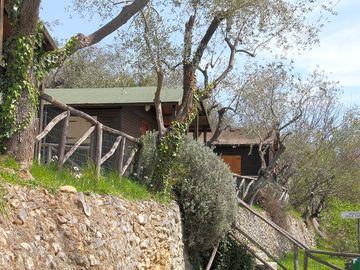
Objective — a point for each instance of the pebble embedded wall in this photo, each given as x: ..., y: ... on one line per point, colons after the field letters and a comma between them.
x: 76, y: 231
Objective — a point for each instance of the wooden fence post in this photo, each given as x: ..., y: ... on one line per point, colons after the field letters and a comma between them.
x: 296, y: 257
x: 41, y: 119
x: 98, y: 148
x: 49, y: 154
x: 63, y: 140
x: 120, y: 161
x: 306, y: 259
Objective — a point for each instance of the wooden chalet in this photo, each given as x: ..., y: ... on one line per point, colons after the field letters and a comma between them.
x: 239, y: 149
x: 129, y: 110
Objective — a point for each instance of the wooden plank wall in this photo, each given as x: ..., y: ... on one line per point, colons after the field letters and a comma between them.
x: 250, y: 164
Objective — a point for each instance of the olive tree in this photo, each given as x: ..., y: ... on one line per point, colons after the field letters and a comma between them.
x: 204, y: 38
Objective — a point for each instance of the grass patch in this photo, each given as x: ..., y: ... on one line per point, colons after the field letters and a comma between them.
x: 48, y: 177
x: 288, y: 261
x: 3, y: 203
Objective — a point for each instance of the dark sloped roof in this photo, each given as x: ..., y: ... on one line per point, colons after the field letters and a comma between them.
x: 126, y: 95
x: 238, y: 136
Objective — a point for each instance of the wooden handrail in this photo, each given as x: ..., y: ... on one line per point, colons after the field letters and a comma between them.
x: 331, y: 253
x: 245, y: 177
x: 67, y: 146
x: 252, y: 240
x: 252, y: 252
x: 274, y: 226
x: 323, y: 262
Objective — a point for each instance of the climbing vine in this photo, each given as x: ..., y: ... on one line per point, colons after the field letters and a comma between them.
x: 26, y: 65
x: 169, y: 148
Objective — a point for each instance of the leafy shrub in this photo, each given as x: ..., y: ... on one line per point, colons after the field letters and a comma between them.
x: 232, y: 256
x: 341, y: 232
x: 206, y: 195
x: 149, y: 157
x: 205, y: 191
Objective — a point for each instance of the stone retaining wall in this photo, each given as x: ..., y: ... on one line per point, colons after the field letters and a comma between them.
x: 75, y: 231
x: 270, y: 239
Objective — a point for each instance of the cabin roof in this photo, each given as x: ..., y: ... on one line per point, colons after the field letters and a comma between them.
x: 121, y: 95
x: 237, y: 136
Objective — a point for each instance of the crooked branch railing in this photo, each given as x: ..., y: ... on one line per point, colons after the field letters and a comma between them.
x: 96, y: 144
x: 243, y: 184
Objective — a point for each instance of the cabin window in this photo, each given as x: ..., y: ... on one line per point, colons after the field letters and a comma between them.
x: 77, y: 128
x: 234, y: 163
x: 145, y: 127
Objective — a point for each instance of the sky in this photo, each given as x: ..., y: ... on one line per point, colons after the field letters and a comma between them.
x: 338, y: 54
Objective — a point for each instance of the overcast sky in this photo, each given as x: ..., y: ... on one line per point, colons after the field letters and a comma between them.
x: 338, y: 53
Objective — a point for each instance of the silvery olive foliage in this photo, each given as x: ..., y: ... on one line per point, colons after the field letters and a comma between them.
x: 206, y: 195
x: 204, y: 188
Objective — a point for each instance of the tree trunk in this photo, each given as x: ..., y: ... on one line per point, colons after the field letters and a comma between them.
x: 21, y: 144
x: 265, y: 173
x: 189, y: 88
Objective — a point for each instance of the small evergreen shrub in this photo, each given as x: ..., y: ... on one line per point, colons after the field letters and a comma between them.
x: 206, y: 196
x: 232, y: 256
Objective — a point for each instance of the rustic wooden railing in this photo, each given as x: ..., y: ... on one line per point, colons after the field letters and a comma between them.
x: 297, y: 245
x: 96, y: 145
x: 243, y: 184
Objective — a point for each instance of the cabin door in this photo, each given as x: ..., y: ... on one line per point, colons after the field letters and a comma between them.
x: 234, y: 163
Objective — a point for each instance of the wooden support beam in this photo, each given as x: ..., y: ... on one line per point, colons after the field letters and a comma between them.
x: 41, y: 120
x: 120, y: 162
x: 52, y: 123
x: 128, y: 162
x: 98, y: 149
x: 112, y: 150
x: 248, y: 188
x: 78, y: 143
x: 49, y: 154
x: 306, y: 260
x: 63, y: 140
x: 296, y: 257
x: 212, y: 257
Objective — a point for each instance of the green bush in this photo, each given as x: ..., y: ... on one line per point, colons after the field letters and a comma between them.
x: 206, y: 195
x: 205, y: 191
x: 341, y: 233
x: 232, y: 256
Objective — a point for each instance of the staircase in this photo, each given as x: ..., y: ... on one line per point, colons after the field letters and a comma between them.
x: 264, y: 258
